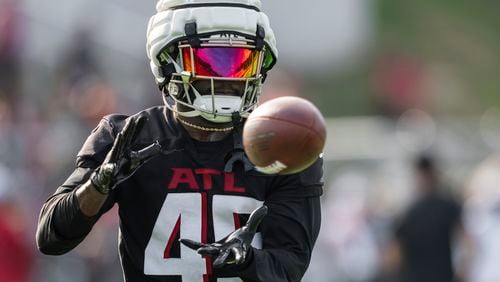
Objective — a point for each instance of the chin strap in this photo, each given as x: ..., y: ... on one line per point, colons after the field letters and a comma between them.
x: 237, y: 156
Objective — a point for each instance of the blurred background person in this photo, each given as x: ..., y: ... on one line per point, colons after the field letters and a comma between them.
x: 425, y: 234
x: 10, y: 52
x: 482, y: 214
x: 16, y: 255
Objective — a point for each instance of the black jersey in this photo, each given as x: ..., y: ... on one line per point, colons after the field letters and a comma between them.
x: 184, y: 192
x: 425, y: 234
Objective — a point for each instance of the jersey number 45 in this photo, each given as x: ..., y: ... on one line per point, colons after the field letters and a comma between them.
x: 185, y: 215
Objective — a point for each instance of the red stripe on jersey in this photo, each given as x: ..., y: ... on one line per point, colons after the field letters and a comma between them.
x: 237, y: 222
x: 204, y: 217
x: 173, y: 236
x: 204, y: 234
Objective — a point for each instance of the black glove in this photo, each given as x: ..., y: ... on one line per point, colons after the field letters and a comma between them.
x: 121, y: 162
x: 233, y: 249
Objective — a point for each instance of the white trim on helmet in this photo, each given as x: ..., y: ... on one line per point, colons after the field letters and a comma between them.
x: 163, y: 5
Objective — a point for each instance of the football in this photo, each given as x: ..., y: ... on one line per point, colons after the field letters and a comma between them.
x: 284, y: 135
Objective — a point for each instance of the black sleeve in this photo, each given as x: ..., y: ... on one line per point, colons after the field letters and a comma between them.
x: 62, y: 225
x: 290, y: 229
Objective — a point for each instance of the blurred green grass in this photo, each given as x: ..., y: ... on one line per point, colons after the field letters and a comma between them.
x: 461, y: 38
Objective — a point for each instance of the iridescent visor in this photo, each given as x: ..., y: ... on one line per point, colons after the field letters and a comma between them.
x: 229, y: 62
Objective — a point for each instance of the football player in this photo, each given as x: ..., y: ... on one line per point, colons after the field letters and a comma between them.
x: 191, y: 205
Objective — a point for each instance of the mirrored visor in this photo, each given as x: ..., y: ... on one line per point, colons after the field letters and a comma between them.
x: 228, y: 62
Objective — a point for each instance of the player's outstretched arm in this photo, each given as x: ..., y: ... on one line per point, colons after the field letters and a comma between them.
x: 68, y: 216
x: 289, y: 233
x: 289, y: 225
x: 289, y: 230
x: 120, y: 163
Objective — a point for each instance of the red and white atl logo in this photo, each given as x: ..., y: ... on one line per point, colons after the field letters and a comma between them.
x: 187, y: 176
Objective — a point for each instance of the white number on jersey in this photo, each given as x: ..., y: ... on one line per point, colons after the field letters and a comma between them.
x: 186, y: 214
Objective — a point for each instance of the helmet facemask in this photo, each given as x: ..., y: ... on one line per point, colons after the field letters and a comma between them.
x: 217, y: 60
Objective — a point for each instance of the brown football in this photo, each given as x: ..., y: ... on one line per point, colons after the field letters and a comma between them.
x: 284, y: 135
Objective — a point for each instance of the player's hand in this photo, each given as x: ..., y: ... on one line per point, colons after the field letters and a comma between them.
x: 234, y: 249
x: 121, y: 162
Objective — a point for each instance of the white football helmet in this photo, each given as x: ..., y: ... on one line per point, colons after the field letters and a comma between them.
x: 225, y: 40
